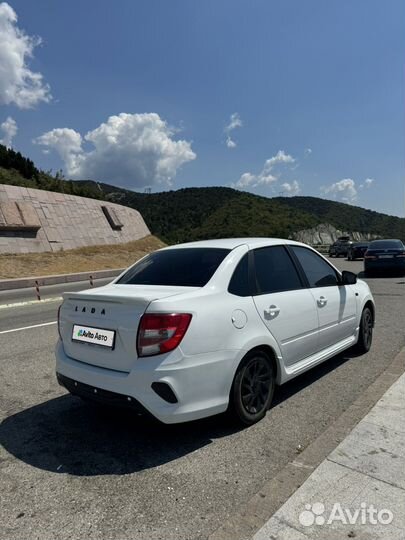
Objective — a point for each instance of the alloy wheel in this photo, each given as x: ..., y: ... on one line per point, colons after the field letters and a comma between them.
x: 256, y: 385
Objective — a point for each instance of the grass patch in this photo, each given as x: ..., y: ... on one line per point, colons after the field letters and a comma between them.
x: 85, y: 259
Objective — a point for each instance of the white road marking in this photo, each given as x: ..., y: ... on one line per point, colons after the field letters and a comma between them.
x: 28, y: 327
x: 31, y: 302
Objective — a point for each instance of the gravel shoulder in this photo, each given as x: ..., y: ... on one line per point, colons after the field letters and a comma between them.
x: 85, y: 259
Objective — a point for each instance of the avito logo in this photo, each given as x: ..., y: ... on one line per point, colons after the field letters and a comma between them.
x: 85, y: 333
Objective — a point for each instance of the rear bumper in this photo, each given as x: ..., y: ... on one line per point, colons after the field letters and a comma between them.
x: 99, y: 395
x: 385, y: 264
x: 200, y: 383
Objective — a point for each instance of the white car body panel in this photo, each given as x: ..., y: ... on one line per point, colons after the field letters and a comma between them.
x: 223, y: 328
x: 337, y: 311
x: 292, y: 319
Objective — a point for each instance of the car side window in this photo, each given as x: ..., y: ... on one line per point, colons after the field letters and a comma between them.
x: 239, y: 284
x: 275, y: 271
x: 319, y: 273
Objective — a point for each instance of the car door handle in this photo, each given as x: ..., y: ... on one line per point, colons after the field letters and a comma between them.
x: 271, y: 312
x: 322, y: 301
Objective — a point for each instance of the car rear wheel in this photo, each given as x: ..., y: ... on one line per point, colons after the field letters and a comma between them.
x: 366, y: 331
x: 253, y: 388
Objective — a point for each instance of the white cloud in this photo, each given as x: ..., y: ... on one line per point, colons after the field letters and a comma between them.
x: 67, y: 143
x: 18, y: 84
x: 230, y: 143
x: 367, y: 183
x: 345, y: 190
x: 133, y: 150
x: 234, y: 123
x: 280, y: 157
x: 265, y: 176
x: 9, y: 129
x: 292, y: 188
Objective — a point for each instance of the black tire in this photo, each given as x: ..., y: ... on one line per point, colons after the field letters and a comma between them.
x: 252, y: 389
x: 363, y: 344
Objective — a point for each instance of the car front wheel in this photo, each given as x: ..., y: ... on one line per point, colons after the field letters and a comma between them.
x: 253, y: 388
x: 366, y: 331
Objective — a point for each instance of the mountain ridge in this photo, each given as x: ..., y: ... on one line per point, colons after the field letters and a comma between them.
x: 200, y: 212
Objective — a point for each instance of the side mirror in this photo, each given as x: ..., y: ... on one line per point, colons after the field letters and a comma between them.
x: 349, y: 278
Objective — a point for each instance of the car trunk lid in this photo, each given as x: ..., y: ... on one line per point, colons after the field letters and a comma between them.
x: 114, y: 308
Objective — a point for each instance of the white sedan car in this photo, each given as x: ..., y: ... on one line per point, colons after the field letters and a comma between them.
x: 196, y: 329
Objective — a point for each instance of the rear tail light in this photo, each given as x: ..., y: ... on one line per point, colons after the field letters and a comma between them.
x: 161, y: 332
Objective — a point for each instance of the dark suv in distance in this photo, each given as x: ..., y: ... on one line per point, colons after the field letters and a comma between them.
x: 385, y: 255
x: 356, y: 250
x: 340, y: 247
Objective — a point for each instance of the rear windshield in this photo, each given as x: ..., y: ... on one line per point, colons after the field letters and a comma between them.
x: 386, y: 244
x: 186, y: 267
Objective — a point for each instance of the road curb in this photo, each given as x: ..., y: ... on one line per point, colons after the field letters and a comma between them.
x: 265, y: 503
x: 26, y: 282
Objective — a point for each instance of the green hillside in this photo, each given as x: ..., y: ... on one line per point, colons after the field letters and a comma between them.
x: 210, y: 212
x: 214, y: 212
x: 346, y: 216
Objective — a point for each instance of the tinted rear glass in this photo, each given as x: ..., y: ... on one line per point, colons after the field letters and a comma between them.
x: 188, y: 267
x: 386, y: 244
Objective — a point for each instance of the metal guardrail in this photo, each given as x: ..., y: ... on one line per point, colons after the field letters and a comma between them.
x: 36, y: 282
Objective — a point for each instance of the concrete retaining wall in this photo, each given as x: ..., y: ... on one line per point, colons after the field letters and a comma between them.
x: 32, y: 220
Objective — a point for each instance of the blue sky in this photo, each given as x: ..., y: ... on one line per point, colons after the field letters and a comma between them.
x: 322, y: 82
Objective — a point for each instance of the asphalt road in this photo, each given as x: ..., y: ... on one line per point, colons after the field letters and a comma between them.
x: 70, y: 471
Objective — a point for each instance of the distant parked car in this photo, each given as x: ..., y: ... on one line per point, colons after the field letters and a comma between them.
x: 385, y: 255
x: 357, y: 250
x: 195, y: 329
x: 340, y: 247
